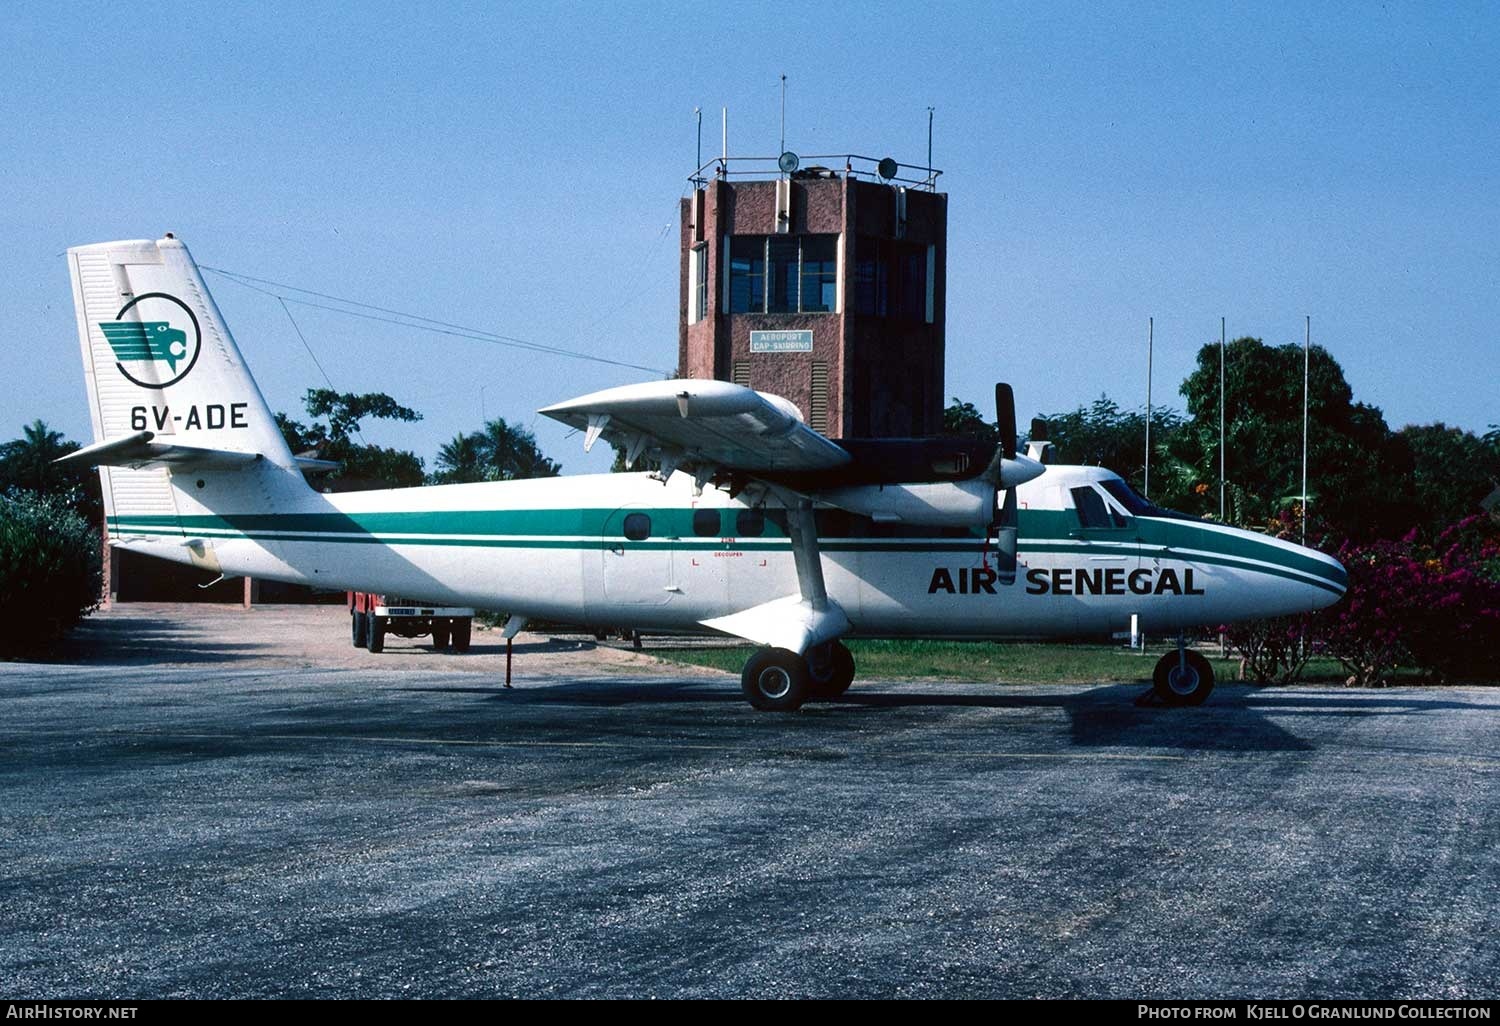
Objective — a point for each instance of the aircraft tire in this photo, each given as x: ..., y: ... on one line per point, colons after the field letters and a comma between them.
x: 376, y: 634
x: 439, y: 637
x: 1174, y: 687
x: 462, y: 631
x: 775, y: 680
x: 833, y: 677
x: 358, y: 623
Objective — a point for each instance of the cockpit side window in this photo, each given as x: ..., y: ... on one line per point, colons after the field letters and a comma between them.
x: 1092, y: 512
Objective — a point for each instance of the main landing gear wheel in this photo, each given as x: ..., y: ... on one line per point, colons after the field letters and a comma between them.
x: 775, y: 680
x: 439, y: 638
x: 1183, y: 678
x: 830, y: 670
x: 358, y: 622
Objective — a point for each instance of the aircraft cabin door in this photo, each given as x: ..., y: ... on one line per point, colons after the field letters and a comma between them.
x: 636, y: 559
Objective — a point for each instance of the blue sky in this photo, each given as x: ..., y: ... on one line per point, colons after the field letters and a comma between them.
x: 517, y: 168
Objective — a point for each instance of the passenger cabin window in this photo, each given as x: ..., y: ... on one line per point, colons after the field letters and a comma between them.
x: 706, y: 523
x: 749, y: 523
x: 1092, y: 510
x: 637, y: 526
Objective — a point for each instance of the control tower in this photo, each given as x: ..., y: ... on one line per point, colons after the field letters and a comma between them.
x: 821, y: 279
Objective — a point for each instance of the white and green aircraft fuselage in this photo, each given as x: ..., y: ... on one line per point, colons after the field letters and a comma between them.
x: 753, y: 525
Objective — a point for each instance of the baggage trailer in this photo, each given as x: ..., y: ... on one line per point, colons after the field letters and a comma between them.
x: 373, y: 616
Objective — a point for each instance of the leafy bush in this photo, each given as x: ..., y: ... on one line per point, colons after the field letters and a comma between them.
x: 50, y: 569
x: 1273, y: 651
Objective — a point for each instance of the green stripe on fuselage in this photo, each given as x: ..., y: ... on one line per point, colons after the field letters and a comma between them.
x: 1049, y: 531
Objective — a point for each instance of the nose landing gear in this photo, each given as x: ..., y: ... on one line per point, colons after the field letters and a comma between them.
x: 1183, y: 677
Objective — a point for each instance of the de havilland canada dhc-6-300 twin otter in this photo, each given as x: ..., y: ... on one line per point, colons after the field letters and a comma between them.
x: 753, y: 524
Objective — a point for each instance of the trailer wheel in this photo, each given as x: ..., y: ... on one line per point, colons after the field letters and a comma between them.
x: 440, y: 636
x: 377, y: 633
x: 359, y: 628
x: 462, y: 626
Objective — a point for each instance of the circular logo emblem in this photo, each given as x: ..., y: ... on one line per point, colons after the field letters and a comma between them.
x: 161, y: 338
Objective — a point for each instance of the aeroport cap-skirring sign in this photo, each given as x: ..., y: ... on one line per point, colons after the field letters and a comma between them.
x: 781, y: 341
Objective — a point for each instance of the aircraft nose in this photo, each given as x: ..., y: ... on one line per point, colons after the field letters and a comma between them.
x: 1333, y: 579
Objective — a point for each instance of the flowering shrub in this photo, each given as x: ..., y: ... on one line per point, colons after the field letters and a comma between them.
x: 1434, y: 606
x: 1458, y: 636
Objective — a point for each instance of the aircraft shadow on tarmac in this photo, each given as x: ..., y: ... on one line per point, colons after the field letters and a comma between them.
x: 1109, y: 715
x: 136, y: 641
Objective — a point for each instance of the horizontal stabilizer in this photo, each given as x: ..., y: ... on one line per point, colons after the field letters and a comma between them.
x: 139, y: 452
x: 789, y: 623
x: 312, y: 465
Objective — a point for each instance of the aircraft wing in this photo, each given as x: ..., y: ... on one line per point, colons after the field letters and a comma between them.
x: 698, y: 423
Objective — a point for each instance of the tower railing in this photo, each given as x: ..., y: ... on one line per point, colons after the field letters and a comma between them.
x: 811, y: 166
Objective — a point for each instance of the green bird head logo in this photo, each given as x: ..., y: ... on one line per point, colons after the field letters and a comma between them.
x: 161, y: 329
x: 150, y: 340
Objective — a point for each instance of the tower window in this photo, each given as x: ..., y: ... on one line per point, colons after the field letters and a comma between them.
x: 698, y: 258
x: 891, y: 279
x: 783, y: 273
x: 819, y: 273
x: 747, y: 273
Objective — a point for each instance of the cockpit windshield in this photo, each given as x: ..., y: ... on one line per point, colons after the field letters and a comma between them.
x: 1138, y: 506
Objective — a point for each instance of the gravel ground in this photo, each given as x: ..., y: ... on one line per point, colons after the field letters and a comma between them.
x: 200, y: 801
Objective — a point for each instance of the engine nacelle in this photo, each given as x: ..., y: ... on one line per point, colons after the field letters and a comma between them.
x: 969, y: 504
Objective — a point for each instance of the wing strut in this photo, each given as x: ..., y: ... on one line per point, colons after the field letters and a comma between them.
x: 807, y: 554
x: 795, y: 622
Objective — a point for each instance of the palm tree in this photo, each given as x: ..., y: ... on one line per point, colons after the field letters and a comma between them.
x: 462, y: 460
x: 511, y: 452
x: 498, y: 452
x: 28, y: 460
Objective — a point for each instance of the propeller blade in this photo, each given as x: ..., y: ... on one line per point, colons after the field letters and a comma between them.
x: 1005, y: 417
x: 1038, y: 429
x: 1005, y: 539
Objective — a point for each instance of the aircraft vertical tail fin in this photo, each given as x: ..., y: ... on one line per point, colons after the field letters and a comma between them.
x: 168, y: 390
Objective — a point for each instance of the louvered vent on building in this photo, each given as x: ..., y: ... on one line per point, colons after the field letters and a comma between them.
x: 818, y: 411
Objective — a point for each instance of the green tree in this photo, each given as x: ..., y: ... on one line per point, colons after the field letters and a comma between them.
x: 461, y: 460
x: 963, y: 420
x: 362, y: 465
x: 1101, y: 434
x: 345, y: 410
x: 1359, y: 473
x: 29, y: 463
x: 1452, y: 470
x: 500, y: 451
